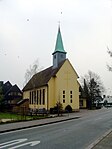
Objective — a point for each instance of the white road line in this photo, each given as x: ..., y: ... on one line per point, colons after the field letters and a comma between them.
x: 13, y: 142
x: 33, y: 143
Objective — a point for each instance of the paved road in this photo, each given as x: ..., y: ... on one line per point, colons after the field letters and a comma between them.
x: 73, y: 134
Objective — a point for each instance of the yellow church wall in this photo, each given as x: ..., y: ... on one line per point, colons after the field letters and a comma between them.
x: 65, y: 80
x: 67, y: 77
x: 51, y: 93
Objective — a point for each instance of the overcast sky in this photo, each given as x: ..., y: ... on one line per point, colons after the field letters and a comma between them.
x: 28, y: 30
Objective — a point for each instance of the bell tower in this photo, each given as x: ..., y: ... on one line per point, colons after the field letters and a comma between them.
x: 59, y: 54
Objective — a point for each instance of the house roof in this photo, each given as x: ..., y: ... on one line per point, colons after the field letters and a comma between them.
x: 6, y: 87
x: 14, y: 88
x: 41, y: 78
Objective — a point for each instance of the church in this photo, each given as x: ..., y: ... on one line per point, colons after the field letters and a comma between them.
x: 57, y: 83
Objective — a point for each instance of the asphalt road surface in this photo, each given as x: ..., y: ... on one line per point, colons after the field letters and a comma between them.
x: 72, y: 134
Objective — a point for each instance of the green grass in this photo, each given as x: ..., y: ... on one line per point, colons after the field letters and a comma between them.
x: 16, y: 117
x: 11, y: 116
x: 7, y: 116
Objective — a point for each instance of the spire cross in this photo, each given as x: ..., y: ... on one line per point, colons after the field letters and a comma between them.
x: 59, y: 22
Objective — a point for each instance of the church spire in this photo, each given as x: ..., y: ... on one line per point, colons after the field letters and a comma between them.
x: 59, y: 53
x: 59, y: 43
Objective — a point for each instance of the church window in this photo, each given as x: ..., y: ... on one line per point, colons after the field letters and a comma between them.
x: 63, y: 96
x: 34, y: 97
x: 37, y: 97
x: 63, y: 91
x: 40, y: 97
x: 63, y: 100
x: 71, y: 100
x: 30, y: 97
x: 55, y: 56
x: 43, y: 96
x: 70, y: 94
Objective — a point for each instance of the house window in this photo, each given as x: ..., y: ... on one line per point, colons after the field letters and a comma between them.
x: 19, y: 94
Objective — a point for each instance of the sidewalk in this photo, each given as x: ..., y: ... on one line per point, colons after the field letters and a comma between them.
x: 105, y: 142
x: 28, y: 124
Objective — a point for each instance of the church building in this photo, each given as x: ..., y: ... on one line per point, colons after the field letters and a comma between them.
x: 54, y: 84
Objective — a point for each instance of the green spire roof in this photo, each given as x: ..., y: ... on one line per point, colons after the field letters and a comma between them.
x: 59, y: 43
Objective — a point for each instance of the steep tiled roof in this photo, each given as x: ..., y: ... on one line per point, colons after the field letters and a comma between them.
x: 6, y: 87
x: 41, y: 78
x: 14, y: 88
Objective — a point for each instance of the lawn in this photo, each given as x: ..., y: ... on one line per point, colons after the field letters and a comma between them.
x: 10, y: 116
x: 18, y: 117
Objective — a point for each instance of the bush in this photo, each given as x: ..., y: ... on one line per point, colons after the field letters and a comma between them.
x: 68, y: 108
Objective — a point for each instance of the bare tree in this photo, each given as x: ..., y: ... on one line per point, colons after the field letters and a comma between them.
x: 32, y: 70
x: 110, y: 53
x: 92, y: 87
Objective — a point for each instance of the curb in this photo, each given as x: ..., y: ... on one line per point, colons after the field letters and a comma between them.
x: 99, y: 139
x: 42, y: 124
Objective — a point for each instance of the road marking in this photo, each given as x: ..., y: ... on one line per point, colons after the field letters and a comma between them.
x: 33, y: 143
x: 10, y: 143
x: 14, y: 142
